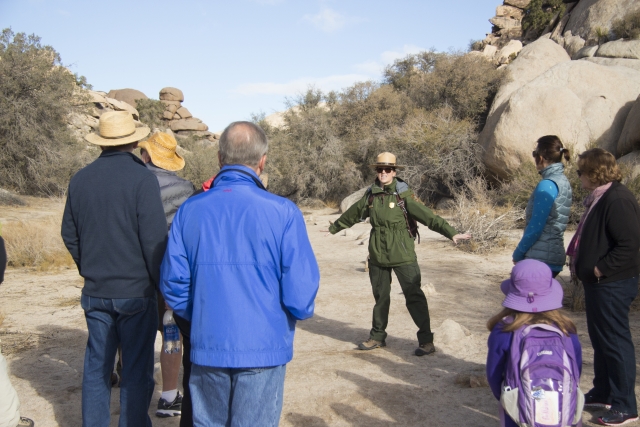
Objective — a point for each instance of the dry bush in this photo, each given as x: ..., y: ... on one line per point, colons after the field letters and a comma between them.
x: 628, y: 27
x: 438, y: 149
x: 36, y: 244
x: 574, y: 295
x: 201, y: 160
x: 475, y: 212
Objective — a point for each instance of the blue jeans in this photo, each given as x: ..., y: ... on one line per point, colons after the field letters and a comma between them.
x: 131, y: 322
x: 224, y: 397
x: 614, y: 357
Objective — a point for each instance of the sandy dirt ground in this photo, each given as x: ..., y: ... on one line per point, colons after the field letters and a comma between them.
x: 329, y: 382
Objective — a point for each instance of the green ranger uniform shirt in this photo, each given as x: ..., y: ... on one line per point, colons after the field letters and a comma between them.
x: 390, y: 244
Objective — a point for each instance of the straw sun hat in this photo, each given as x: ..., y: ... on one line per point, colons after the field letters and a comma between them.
x: 386, y: 159
x: 162, y: 150
x: 117, y: 128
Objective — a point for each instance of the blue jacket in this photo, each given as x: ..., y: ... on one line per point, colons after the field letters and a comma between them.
x: 239, y: 265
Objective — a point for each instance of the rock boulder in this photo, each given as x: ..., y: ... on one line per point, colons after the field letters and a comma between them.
x: 620, y: 49
x: 518, y: 3
x: 591, y: 14
x: 351, y: 199
x: 630, y: 137
x: 171, y: 94
x: 634, y: 64
x: 579, y: 101
x: 188, y: 124
x: 130, y: 96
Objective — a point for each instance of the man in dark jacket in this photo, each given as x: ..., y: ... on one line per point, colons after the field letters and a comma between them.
x: 114, y: 227
x: 160, y: 156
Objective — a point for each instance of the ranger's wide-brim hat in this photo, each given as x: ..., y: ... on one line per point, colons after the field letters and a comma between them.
x: 162, y: 150
x: 117, y: 128
x: 386, y: 159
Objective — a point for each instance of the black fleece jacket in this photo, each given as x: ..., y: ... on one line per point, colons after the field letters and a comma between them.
x: 114, y: 226
x: 610, y: 238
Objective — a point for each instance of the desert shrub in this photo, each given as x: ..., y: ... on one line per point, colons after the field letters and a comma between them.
x: 201, y: 160
x: 307, y: 160
x: 465, y: 83
x: 539, y: 13
x: 518, y: 188
x: 475, y: 212
x: 627, y: 27
x: 151, y: 111
x: 438, y: 149
x: 38, y: 152
x: 367, y: 107
x: 601, y: 35
x: 36, y: 244
x: 475, y: 45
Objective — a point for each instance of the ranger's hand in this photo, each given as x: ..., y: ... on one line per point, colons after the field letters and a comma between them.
x: 458, y: 237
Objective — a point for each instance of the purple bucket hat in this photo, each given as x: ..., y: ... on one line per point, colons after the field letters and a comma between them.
x: 531, y: 288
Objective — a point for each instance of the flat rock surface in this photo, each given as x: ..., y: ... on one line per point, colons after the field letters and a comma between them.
x: 329, y: 382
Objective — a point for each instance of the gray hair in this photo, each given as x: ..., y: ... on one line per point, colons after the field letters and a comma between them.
x: 243, y: 143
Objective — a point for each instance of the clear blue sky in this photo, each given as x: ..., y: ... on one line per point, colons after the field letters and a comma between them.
x: 235, y: 58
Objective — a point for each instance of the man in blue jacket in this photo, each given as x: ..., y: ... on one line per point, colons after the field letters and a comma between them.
x: 239, y: 265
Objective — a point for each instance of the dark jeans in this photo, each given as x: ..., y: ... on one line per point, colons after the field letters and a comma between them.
x: 409, y: 278
x: 186, y: 418
x: 131, y: 322
x: 614, y: 356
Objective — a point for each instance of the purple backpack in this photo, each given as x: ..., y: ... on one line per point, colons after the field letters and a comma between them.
x: 541, y: 383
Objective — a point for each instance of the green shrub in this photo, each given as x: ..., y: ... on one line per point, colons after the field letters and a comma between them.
x: 38, y: 152
x: 628, y: 27
x: 475, y: 45
x: 539, y: 13
x: 200, y: 158
x: 151, y: 111
x: 465, y: 83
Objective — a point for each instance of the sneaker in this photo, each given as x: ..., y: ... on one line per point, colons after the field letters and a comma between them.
x: 170, y: 409
x: 593, y: 401
x: 25, y: 422
x: 424, y: 349
x: 617, y: 418
x: 371, y: 344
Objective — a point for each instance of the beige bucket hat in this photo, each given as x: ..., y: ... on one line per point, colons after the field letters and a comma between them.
x: 162, y: 150
x: 386, y: 159
x: 117, y: 128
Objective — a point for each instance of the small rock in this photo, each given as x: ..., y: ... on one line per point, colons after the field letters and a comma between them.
x: 348, y: 232
x: 364, y: 241
x: 429, y: 289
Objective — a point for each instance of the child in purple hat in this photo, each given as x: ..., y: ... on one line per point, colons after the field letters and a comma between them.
x: 532, y: 297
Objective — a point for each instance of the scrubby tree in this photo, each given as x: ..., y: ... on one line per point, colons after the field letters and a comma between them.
x: 38, y: 152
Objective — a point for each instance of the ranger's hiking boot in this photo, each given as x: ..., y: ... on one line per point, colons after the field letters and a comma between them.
x: 617, y: 418
x: 371, y: 344
x: 25, y: 422
x: 424, y: 349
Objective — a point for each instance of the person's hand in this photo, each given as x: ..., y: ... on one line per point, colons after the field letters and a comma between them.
x: 326, y: 232
x: 458, y: 237
x: 597, y: 272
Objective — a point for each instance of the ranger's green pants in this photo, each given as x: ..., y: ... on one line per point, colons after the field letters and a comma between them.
x: 409, y: 278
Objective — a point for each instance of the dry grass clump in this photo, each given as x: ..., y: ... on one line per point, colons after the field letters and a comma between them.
x: 476, y: 212
x: 36, y: 244
x: 7, y: 198
x: 628, y: 27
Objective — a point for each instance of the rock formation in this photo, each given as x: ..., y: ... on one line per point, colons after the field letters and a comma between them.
x: 567, y: 82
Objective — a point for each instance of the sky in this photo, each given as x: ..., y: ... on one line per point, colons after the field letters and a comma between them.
x: 237, y: 58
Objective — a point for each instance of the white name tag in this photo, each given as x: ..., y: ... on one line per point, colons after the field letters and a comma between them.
x: 392, y: 205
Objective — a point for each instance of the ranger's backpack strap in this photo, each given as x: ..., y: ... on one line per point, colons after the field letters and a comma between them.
x: 412, y: 226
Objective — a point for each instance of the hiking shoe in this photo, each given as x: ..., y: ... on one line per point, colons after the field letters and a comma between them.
x: 25, y: 422
x: 371, y: 344
x: 617, y: 418
x: 593, y: 401
x: 424, y: 349
x: 170, y: 409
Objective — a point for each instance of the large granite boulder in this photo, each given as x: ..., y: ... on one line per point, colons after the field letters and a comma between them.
x: 620, y: 49
x: 579, y: 101
x: 351, y: 199
x: 630, y: 137
x: 130, y: 96
x: 123, y: 106
x: 171, y: 94
x: 590, y: 14
x: 188, y: 124
x: 634, y: 64
x: 533, y: 60
x: 518, y: 3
